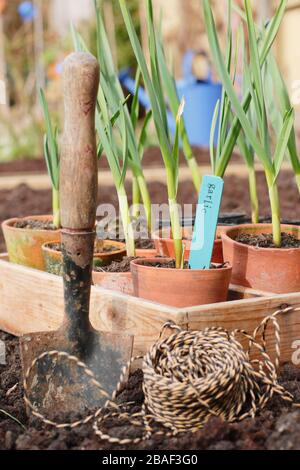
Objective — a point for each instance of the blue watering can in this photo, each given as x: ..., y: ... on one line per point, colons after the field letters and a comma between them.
x: 27, y: 11
x: 201, y: 97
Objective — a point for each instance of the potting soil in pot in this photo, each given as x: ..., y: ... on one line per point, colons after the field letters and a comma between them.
x: 172, y: 265
x: 32, y: 224
x: 265, y: 240
x: 142, y: 244
x: 122, y: 266
x: 104, y: 249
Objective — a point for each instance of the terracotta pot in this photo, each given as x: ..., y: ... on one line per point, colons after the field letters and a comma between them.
x: 24, y: 246
x: 165, y: 246
x: 120, y: 282
x: 179, y: 287
x: 53, y: 257
x: 267, y: 269
x: 141, y: 253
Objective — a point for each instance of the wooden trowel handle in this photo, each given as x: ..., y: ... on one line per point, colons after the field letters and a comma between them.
x: 78, y: 193
x: 78, y: 157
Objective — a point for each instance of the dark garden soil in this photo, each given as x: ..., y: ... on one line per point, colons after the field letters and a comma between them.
x: 265, y: 240
x: 32, y: 224
x: 278, y: 427
x: 152, y: 158
x: 23, y: 201
x: 122, y: 266
x: 141, y: 244
x: 104, y: 249
x: 36, y: 165
x: 172, y: 265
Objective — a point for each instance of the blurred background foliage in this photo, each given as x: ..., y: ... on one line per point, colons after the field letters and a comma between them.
x: 21, y: 120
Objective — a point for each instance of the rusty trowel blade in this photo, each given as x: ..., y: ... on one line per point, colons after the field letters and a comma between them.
x: 57, y: 386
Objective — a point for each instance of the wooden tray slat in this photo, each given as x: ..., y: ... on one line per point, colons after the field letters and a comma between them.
x: 32, y: 301
x: 248, y: 314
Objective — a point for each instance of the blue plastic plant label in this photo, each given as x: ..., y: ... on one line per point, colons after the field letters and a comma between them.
x: 206, y: 222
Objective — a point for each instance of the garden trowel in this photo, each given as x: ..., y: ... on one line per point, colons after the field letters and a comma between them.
x: 57, y: 385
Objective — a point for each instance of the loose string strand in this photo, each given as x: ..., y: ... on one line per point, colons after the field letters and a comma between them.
x: 189, y: 377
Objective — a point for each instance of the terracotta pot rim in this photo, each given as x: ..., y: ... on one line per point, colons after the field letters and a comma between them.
x: 46, y: 248
x: 9, y: 222
x: 138, y: 263
x: 145, y: 250
x: 226, y: 237
x: 104, y: 273
x: 156, y: 234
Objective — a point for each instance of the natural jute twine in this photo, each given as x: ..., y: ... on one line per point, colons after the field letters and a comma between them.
x: 190, y: 377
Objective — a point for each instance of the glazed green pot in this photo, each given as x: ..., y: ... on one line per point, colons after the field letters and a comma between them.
x: 53, y: 257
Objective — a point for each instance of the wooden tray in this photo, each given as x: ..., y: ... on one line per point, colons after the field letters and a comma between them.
x: 32, y: 301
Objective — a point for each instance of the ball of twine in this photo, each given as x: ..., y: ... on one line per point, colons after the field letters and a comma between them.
x: 191, y: 376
